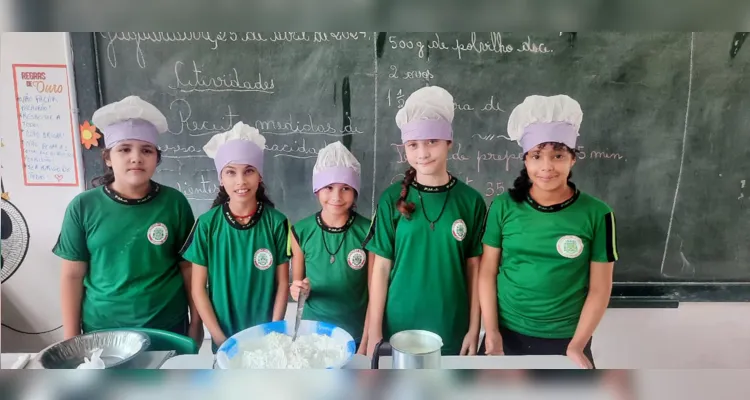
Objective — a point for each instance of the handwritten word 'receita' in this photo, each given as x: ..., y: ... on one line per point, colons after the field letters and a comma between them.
x: 199, y: 128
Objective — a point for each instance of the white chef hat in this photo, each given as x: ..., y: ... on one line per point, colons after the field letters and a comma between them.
x: 243, y: 144
x: 336, y: 164
x: 542, y: 119
x: 130, y: 118
x: 427, y: 114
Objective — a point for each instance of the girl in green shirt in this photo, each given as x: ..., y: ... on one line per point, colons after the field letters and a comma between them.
x: 328, y: 260
x: 558, y: 245
x: 426, y: 237
x: 239, y: 247
x: 120, y: 241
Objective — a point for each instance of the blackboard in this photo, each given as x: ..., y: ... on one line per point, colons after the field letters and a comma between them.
x: 663, y: 139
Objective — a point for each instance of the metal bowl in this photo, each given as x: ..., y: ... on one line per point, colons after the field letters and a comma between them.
x: 118, y: 347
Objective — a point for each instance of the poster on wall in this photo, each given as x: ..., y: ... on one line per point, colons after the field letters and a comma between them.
x: 45, y: 125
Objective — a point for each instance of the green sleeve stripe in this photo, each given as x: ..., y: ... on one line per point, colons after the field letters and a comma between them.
x: 484, y: 221
x: 56, y: 247
x: 295, y: 235
x: 288, y: 239
x: 189, y: 239
x: 612, y: 254
x: 370, y: 232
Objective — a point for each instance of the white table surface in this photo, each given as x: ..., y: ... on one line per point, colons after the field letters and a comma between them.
x: 147, y: 360
x: 8, y: 359
x: 205, y: 361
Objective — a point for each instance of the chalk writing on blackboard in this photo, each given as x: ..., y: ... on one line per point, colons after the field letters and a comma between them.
x: 214, y: 39
x: 491, y: 42
x: 45, y: 125
x: 492, y: 105
x: 200, y: 128
x: 742, y: 187
x: 489, y: 136
x: 204, y: 190
x: 297, y: 149
x: 395, y: 73
x: 194, y: 79
x: 396, y: 98
x: 489, y: 189
x: 595, y: 154
x: 506, y: 160
x: 307, y: 125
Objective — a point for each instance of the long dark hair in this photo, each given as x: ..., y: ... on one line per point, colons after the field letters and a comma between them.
x: 223, y: 197
x: 521, y: 186
x: 109, y: 176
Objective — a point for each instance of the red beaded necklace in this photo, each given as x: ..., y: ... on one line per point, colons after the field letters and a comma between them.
x: 243, y: 216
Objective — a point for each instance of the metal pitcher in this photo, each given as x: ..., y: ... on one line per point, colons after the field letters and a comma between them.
x: 413, y: 349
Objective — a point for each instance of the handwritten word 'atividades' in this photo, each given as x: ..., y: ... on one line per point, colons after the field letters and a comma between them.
x: 197, y: 81
x: 214, y: 39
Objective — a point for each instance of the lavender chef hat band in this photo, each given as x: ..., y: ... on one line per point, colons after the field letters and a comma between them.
x: 239, y: 152
x: 560, y: 132
x: 132, y: 129
x: 333, y: 175
x: 426, y: 129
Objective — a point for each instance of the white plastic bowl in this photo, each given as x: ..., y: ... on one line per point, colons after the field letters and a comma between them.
x: 231, y: 348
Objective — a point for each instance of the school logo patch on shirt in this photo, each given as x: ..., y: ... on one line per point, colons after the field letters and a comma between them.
x: 157, y: 234
x: 570, y: 246
x: 459, y: 229
x: 356, y: 259
x: 263, y: 259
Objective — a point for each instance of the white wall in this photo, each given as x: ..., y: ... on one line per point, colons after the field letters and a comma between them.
x: 696, y: 335
x: 30, y: 298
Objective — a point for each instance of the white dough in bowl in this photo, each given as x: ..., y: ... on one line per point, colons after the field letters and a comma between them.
x: 277, y: 351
